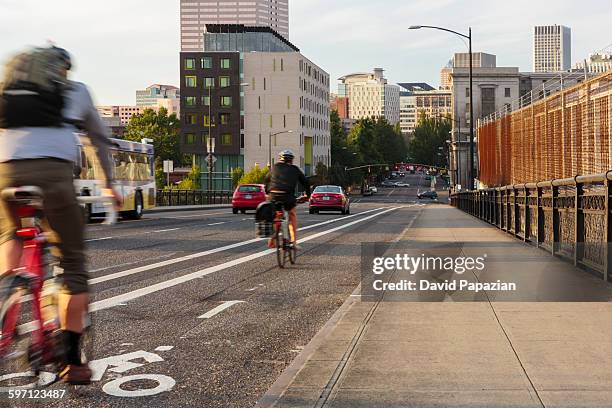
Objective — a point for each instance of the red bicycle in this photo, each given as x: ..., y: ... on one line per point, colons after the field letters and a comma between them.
x: 30, y: 338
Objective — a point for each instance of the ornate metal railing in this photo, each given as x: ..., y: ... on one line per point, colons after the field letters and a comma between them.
x: 192, y: 197
x: 569, y: 218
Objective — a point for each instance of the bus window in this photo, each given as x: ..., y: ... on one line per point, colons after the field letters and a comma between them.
x: 120, y: 161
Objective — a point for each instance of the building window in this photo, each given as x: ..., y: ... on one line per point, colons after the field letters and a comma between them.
x: 190, y: 101
x: 191, y: 119
x: 209, y: 83
x: 225, y: 64
x: 467, y: 92
x: 264, y: 84
x: 242, y: 141
x: 226, y: 101
x: 189, y: 138
x: 259, y: 101
x: 282, y: 65
x: 206, y: 100
x: 226, y: 139
x: 253, y: 84
x: 507, y: 92
x: 224, y: 118
x: 285, y: 121
x: 224, y: 82
x: 274, y: 65
x: 260, y: 139
x: 189, y: 63
x: 270, y: 121
x: 207, y: 121
x: 288, y: 102
x: 206, y: 63
x: 191, y: 81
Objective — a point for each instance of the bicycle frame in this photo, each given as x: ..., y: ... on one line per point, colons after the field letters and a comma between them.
x: 29, y: 277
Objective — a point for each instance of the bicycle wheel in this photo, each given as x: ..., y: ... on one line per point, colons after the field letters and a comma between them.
x: 280, y: 248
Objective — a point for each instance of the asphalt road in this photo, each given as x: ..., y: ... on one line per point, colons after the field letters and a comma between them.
x: 190, y: 309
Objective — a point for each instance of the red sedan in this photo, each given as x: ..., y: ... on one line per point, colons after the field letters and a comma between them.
x: 329, y: 198
x: 248, y: 197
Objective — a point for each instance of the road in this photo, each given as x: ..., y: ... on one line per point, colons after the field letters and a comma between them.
x: 191, y: 308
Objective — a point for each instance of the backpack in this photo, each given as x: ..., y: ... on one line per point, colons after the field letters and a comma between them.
x: 32, y: 90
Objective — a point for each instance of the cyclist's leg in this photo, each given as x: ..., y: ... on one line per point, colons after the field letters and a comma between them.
x: 293, y: 221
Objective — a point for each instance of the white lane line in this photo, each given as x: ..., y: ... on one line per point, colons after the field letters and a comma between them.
x: 164, y: 230
x: 215, y: 223
x: 160, y: 264
x: 135, y: 294
x: 138, y: 293
x: 391, y: 192
x: 98, y: 239
x: 220, y: 308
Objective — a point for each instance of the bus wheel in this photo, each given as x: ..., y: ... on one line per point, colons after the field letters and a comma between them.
x: 136, y: 213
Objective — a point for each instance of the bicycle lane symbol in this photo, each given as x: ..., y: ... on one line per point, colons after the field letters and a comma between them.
x: 123, y: 363
x: 117, y: 364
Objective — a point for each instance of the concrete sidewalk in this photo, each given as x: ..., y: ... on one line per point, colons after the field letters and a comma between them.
x: 459, y: 354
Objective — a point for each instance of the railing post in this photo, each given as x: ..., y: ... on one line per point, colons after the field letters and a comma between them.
x: 527, y: 229
x: 579, y: 225
x: 608, y: 254
x: 516, y: 210
x: 555, y: 219
x: 540, y: 216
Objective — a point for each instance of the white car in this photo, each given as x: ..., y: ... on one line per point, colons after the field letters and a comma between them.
x: 374, y: 190
x: 402, y: 184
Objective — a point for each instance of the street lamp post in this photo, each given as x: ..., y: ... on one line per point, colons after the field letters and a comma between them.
x: 270, y: 144
x: 469, y: 37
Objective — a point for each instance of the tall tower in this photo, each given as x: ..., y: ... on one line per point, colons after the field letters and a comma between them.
x: 196, y: 14
x: 552, y: 48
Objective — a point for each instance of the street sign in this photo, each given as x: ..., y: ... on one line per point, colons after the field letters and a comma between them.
x: 214, y: 158
x: 168, y: 166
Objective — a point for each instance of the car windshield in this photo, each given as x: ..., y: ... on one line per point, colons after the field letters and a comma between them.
x: 327, y: 189
x: 249, y: 189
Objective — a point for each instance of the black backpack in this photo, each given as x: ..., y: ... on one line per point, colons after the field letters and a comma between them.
x: 32, y: 90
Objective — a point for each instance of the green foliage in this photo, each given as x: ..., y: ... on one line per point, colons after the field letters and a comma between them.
x: 257, y: 175
x: 428, y: 145
x: 160, y: 177
x: 321, y: 177
x: 237, y: 174
x: 162, y: 128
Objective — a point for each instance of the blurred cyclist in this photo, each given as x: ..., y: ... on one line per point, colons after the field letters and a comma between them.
x: 40, y: 111
x: 281, y: 182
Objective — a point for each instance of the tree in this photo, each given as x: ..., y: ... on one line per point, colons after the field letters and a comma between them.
x: 428, y: 145
x: 257, y: 175
x: 322, y: 176
x: 389, y: 142
x: 162, y: 128
x: 192, y: 181
x: 237, y: 174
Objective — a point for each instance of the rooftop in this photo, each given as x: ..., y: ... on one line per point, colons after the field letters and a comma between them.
x: 243, y: 29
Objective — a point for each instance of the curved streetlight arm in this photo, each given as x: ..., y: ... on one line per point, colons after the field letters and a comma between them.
x: 439, y: 28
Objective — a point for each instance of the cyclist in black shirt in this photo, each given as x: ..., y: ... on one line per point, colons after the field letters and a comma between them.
x: 281, y: 182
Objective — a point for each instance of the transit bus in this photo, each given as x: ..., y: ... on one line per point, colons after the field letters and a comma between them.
x: 133, y: 170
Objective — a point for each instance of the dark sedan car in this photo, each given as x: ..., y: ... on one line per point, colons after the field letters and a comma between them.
x: 428, y: 194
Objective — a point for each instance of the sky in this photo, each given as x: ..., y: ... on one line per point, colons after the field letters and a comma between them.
x: 119, y: 46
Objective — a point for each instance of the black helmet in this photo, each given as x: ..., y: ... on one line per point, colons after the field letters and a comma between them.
x: 64, y: 56
x: 286, y: 156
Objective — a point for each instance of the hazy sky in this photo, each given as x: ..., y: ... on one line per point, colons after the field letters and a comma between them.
x: 121, y: 46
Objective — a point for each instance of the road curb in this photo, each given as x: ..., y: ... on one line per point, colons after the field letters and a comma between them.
x: 187, y: 208
x: 283, y: 382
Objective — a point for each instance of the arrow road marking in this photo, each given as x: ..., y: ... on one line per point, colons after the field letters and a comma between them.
x: 220, y: 308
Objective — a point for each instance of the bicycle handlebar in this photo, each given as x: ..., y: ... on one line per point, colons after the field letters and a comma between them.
x: 111, y: 212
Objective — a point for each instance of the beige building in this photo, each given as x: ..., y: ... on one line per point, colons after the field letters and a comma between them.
x: 196, y: 14
x: 479, y: 60
x: 421, y: 98
x: 286, y: 92
x: 552, y: 48
x: 123, y: 112
x: 369, y: 95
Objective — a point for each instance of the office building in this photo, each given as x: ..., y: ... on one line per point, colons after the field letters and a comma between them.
x: 243, y: 95
x: 552, y: 48
x: 420, y: 98
x: 479, y: 60
x: 370, y: 96
x: 123, y: 112
x: 195, y: 15
x: 597, y: 63
x: 149, y: 97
